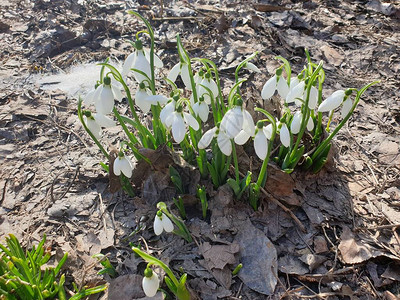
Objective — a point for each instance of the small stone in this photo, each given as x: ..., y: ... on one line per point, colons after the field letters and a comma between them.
x: 320, y: 245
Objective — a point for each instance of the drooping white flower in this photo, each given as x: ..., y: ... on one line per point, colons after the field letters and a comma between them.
x: 104, y: 121
x: 248, y: 129
x: 161, y: 223
x: 296, y: 122
x: 284, y: 135
x: 93, y: 126
x: 223, y: 141
x: 182, y: 69
x: 263, y: 134
x: 150, y: 283
x: 210, y: 84
x: 232, y: 122
x: 177, y: 120
x: 94, y: 122
x: 139, y: 59
x: 123, y: 164
x: 310, y: 124
x: 346, y: 107
x: 145, y: 100
x: 313, y: 100
x: 278, y: 83
x: 104, y: 96
x: 296, y: 92
x: 332, y: 102
x: 252, y: 67
x: 200, y: 108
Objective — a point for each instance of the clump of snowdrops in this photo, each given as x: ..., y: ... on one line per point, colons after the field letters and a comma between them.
x: 198, y: 118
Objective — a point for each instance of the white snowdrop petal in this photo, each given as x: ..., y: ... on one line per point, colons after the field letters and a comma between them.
x: 252, y: 67
x: 117, y: 93
x: 282, y: 87
x: 126, y: 166
x: 94, y: 127
x: 296, y: 92
x: 203, y: 111
x: 268, y: 131
x: 212, y: 85
x: 293, y: 82
x: 178, y: 128
x: 285, y: 136
x: 332, y: 102
x: 310, y: 124
x: 117, y: 166
x: 313, y: 101
x: 232, y: 122
x: 157, y: 61
x: 174, y: 72
x: 269, y: 88
x: 166, y: 112
x: 157, y: 99
x: 191, y: 121
x: 150, y: 285
x: 224, y: 143
x: 248, y: 123
x: 104, y: 121
x: 141, y: 100
x: 242, y: 137
x: 346, y: 107
x: 104, y: 103
x: 167, y: 223
x: 141, y: 64
x: 186, y: 77
x: 128, y: 63
x: 158, y: 225
x: 261, y: 145
x: 89, y: 98
x: 207, y: 138
x: 296, y: 123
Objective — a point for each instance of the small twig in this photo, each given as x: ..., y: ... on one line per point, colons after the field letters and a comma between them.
x: 388, y: 226
x: 239, y: 290
x: 102, y: 210
x: 68, y: 188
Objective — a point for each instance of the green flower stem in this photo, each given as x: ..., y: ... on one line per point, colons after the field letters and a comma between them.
x: 341, y: 124
x: 262, y: 177
x: 186, y: 58
x: 235, y: 160
x: 318, y: 129
x: 240, y: 66
x: 306, y: 112
x: 80, y: 116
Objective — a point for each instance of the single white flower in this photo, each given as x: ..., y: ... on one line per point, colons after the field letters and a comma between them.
x: 275, y: 83
x: 200, y: 108
x: 123, y: 164
x: 252, y: 67
x: 145, y: 100
x: 210, y: 84
x: 161, y: 223
x: 284, y: 135
x: 223, y: 141
x: 139, y: 59
x: 296, y: 122
x: 104, y: 96
x: 93, y: 126
x: 332, y: 102
x: 346, y: 107
x: 232, y: 122
x: 313, y: 100
x: 176, y: 121
x: 182, y: 69
x: 296, y: 92
x: 263, y: 134
x: 104, y: 121
x: 150, y: 283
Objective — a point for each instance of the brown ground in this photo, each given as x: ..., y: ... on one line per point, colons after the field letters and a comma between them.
x: 51, y: 181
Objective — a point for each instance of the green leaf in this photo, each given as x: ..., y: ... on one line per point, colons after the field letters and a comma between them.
x: 88, y: 292
x: 233, y: 184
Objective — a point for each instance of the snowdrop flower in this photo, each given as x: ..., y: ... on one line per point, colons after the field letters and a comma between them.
x: 145, y: 100
x: 276, y: 82
x: 263, y: 134
x: 140, y: 60
x: 346, y: 107
x: 150, y: 282
x: 296, y: 122
x: 313, y: 100
x: 237, y: 119
x: 284, y: 135
x: 247, y: 131
x: 161, y: 223
x: 122, y: 164
x: 332, y: 102
x: 310, y: 124
x: 223, y: 141
x: 209, y: 83
x: 176, y: 120
x: 201, y: 109
x: 296, y: 92
x: 104, y: 95
x: 182, y: 69
x: 252, y: 67
x: 94, y: 122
